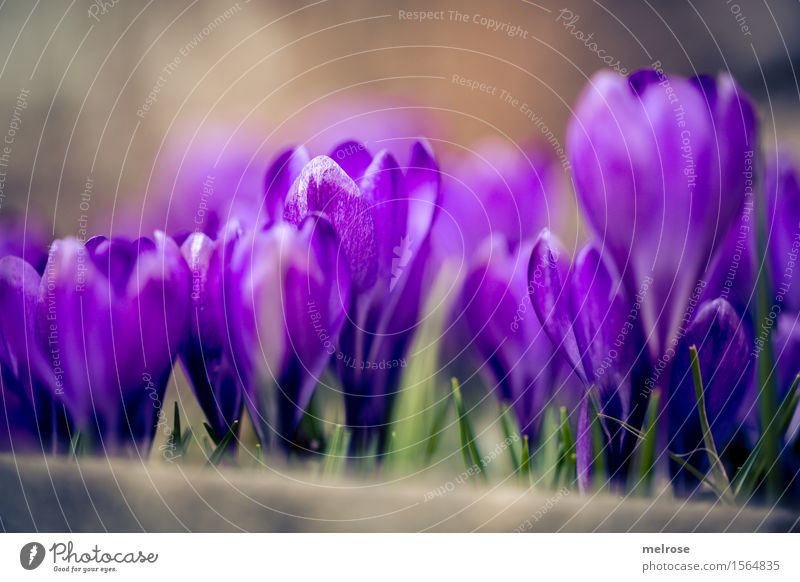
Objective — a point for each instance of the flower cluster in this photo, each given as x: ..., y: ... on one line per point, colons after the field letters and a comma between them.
x: 674, y: 325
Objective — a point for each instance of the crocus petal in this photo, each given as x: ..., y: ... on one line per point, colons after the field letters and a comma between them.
x: 353, y: 157
x: 423, y: 181
x: 498, y: 189
x: 725, y: 365
x: 515, y: 354
x: 383, y: 186
x: 285, y: 307
x: 281, y: 174
x: 204, y: 354
x: 658, y: 164
x: 324, y: 187
x: 112, y: 331
x: 551, y: 298
x: 782, y: 188
x: 30, y: 419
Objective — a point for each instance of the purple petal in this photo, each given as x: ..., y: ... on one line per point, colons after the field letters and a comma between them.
x: 423, y: 181
x: 324, y: 187
x: 353, y: 157
x: 726, y: 367
x: 659, y: 173
x: 383, y: 187
x: 551, y: 298
x: 281, y: 174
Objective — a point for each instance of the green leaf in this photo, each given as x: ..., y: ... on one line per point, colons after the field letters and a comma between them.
x: 768, y: 393
x: 76, y: 446
x: 566, y: 469
x: 223, y: 445
x: 211, y: 434
x: 525, y: 463
x: 185, y: 440
x: 599, y: 468
x: 510, y: 433
x: 176, y: 426
x: 717, y: 468
x: 748, y: 476
x: 435, y: 436
x: 547, y: 452
x: 469, y: 447
x: 336, y: 453
x: 645, y: 459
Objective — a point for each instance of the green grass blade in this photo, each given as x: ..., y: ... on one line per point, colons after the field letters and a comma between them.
x: 645, y: 459
x: 525, y: 461
x: 717, y: 469
x: 435, y: 436
x: 566, y: 469
x: 211, y: 434
x: 509, y: 434
x: 469, y: 447
x: 223, y: 445
x: 768, y: 394
x: 748, y: 476
x: 336, y: 453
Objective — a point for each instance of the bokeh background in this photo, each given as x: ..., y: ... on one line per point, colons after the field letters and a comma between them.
x: 119, y: 95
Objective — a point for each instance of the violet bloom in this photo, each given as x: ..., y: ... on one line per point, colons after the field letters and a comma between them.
x: 786, y: 342
x: 30, y: 418
x: 206, y: 354
x: 515, y: 355
x: 782, y: 188
x: 285, y: 292
x: 660, y: 169
x: 498, y: 189
x: 724, y: 356
x: 206, y: 178
x: 382, y: 215
x: 23, y: 236
x: 112, y: 316
x: 584, y: 312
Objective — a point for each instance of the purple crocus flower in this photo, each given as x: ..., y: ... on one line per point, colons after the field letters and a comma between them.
x: 30, y: 418
x: 584, y: 312
x: 660, y: 169
x: 112, y: 316
x: 498, y: 189
x: 782, y: 188
x: 205, y: 178
x: 206, y: 354
x: 516, y: 356
x: 285, y: 293
x: 382, y: 215
x: 724, y: 356
x: 23, y: 236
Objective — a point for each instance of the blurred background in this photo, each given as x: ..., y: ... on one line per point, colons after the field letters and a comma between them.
x: 108, y: 107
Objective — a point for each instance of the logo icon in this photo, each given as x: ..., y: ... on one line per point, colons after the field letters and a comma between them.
x: 31, y: 555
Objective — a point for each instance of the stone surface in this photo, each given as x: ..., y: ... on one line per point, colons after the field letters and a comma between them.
x: 125, y: 496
